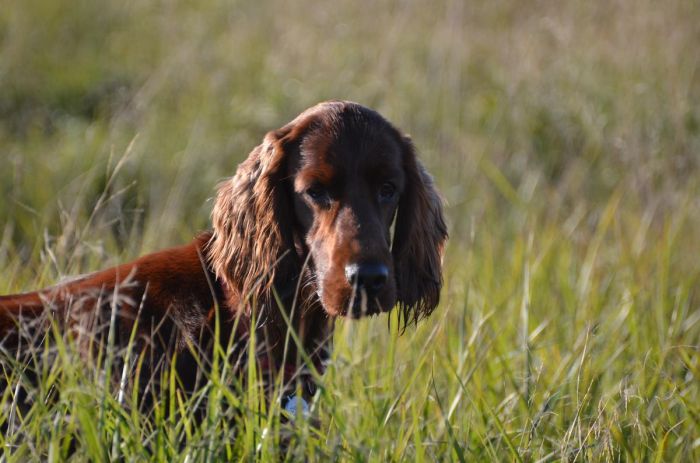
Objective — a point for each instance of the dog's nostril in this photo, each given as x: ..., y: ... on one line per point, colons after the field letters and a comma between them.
x: 370, y: 277
x: 374, y: 282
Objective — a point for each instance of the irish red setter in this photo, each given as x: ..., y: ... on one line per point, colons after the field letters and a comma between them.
x: 301, y: 235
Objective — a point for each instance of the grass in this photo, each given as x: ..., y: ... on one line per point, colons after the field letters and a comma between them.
x: 564, y: 137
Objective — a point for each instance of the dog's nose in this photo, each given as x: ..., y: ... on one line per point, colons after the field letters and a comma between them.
x: 370, y: 277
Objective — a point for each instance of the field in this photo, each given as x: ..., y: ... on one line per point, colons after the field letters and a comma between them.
x: 564, y: 136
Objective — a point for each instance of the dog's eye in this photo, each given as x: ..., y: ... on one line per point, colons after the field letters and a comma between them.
x: 318, y: 195
x: 387, y: 191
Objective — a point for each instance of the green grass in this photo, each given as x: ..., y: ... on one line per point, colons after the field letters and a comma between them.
x: 564, y: 137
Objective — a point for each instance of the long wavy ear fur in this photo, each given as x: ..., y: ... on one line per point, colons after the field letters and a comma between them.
x: 253, y: 245
x: 419, y: 238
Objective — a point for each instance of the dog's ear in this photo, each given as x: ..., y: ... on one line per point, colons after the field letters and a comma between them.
x: 252, y: 246
x: 419, y: 239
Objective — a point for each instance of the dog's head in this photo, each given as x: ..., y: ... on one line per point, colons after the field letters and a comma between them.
x: 323, y: 192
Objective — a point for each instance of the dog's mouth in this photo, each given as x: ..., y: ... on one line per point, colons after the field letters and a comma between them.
x: 338, y: 298
x: 362, y: 304
x: 357, y: 305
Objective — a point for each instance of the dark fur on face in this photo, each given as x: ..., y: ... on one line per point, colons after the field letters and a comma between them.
x: 329, y: 185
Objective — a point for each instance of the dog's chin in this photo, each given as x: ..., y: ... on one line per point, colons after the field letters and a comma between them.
x: 357, y: 311
x: 359, y: 307
x: 351, y: 304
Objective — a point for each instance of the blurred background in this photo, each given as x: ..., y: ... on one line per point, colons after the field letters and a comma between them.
x: 564, y: 136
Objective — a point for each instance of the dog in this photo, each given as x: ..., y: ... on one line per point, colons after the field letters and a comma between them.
x: 301, y: 235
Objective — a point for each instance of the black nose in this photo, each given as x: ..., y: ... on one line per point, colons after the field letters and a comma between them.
x: 370, y: 277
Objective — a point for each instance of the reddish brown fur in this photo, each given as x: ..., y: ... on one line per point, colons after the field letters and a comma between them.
x: 271, y: 241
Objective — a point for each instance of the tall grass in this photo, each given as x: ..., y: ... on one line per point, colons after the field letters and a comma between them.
x: 564, y: 137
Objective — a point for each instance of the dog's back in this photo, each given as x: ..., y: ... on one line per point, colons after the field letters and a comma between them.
x: 172, y: 284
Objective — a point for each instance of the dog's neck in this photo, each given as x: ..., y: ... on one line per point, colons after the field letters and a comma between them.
x: 291, y: 316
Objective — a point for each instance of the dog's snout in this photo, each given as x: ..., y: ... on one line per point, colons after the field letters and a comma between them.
x: 370, y: 277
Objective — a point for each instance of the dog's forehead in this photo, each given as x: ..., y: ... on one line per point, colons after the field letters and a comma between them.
x: 357, y: 145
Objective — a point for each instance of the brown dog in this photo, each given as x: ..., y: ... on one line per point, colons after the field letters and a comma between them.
x: 301, y: 234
